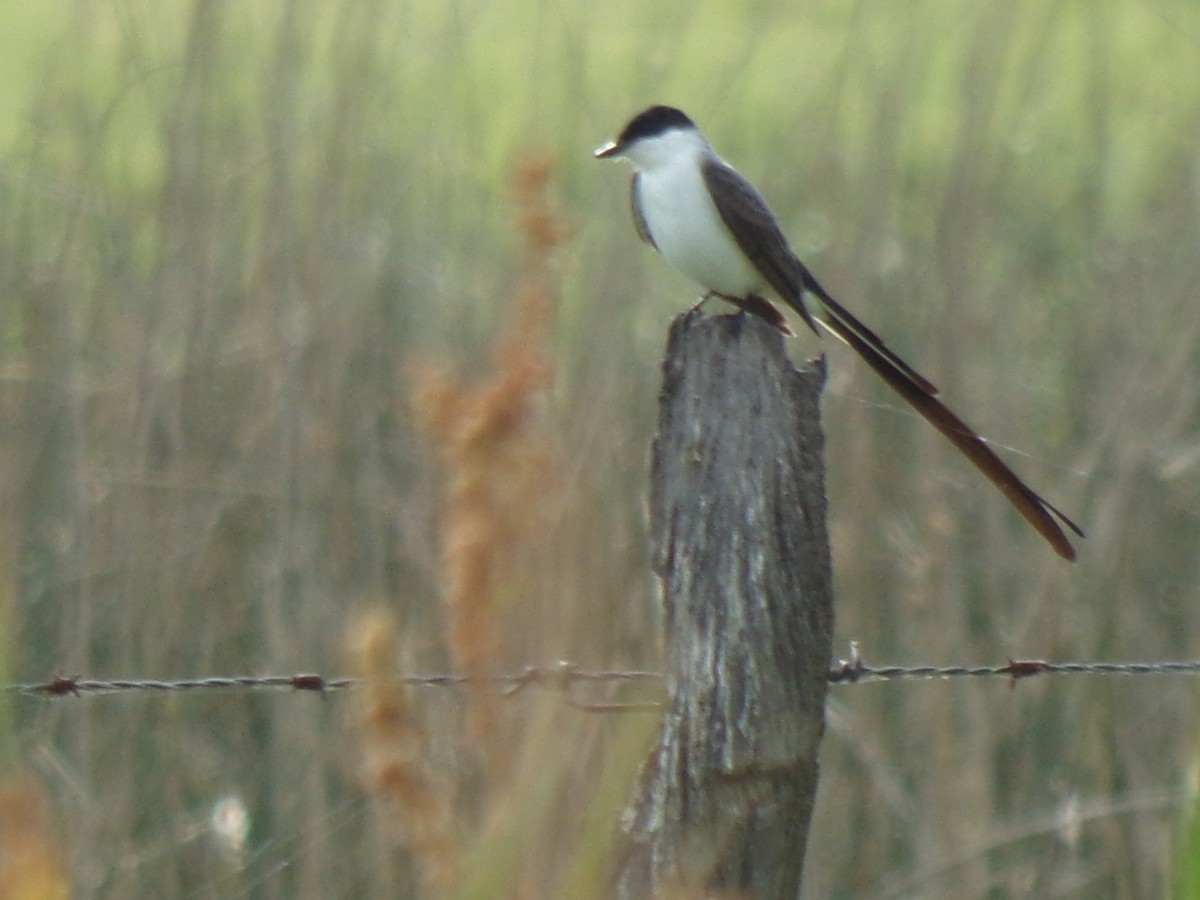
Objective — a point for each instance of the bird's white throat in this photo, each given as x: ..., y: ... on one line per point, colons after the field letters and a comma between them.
x: 682, y: 218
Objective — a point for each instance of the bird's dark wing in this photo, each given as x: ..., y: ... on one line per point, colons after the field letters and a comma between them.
x: 750, y: 221
x: 635, y: 206
x: 752, y: 225
x: 748, y: 218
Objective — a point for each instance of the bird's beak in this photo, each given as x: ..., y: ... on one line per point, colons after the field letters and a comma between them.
x: 608, y: 151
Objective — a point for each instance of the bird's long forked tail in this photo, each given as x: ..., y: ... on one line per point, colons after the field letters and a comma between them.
x: 1039, y: 512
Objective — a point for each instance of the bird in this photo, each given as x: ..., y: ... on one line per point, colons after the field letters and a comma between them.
x: 711, y: 225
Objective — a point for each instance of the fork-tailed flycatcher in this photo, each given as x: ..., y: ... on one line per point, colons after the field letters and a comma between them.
x: 710, y: 224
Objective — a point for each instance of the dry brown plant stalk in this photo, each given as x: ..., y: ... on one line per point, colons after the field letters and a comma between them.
x: 395, y: 752
x: 500, y: 466
x: 31, y: 861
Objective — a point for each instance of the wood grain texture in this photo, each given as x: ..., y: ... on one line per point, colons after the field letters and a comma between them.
x: 740, y: 546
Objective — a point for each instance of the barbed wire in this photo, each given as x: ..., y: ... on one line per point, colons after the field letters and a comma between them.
x: 566, y: 676
x: 561, y: 677
x: 854, y: 669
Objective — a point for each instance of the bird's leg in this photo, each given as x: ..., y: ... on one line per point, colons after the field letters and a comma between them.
x: 699, y: 303
x: 760, y: 307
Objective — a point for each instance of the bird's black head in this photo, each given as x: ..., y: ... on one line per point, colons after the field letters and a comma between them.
x: 648, y: 123
x: 654, y: 121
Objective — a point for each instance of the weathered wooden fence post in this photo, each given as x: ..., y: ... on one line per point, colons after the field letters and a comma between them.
x: 740, y: 545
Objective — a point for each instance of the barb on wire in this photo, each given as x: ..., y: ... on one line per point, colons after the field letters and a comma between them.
x: 565, y: 677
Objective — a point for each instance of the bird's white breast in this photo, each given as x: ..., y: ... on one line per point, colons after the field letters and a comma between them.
x: 688, y: 231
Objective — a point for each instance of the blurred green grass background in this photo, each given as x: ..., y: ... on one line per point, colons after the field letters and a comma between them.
x: 230, y: 232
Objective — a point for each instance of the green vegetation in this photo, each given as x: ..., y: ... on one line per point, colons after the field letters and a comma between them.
x: 236, y: 238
